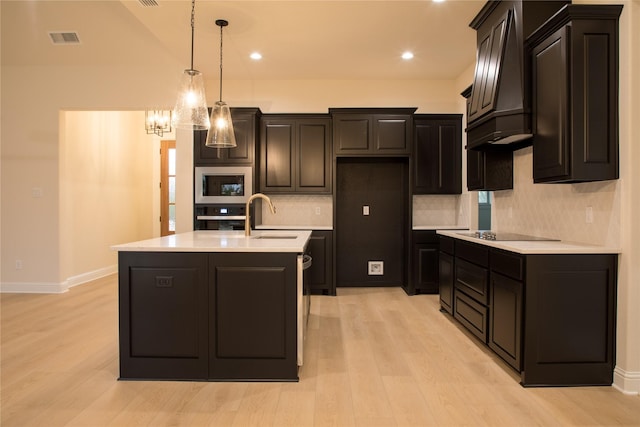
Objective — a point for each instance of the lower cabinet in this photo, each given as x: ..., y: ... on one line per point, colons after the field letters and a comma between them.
x: 208, y: 316
x: 446, y: 274
x: 549, y: 316
x: 424, y: 261
x: 321, y: 271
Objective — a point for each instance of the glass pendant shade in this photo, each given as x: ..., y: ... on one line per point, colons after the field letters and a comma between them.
x: 191, y: 111
x: 221, y: 134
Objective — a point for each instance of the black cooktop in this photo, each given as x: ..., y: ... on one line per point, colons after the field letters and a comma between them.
x: 498, y: 236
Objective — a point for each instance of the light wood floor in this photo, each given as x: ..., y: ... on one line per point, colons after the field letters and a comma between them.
x: 374, y: 357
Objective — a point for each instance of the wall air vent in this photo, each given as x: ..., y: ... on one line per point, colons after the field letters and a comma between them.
x: 68, y: 37
x: 148, y: 3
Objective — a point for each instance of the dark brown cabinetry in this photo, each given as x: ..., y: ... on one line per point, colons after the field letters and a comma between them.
x: 208, y: 316
x: 575, y: 95
x: 437, y: 161
x: 321, y: 271
x: 549, y: 316
x: 499, y: 110
x: 295, y: 154
x: 372, y: 131
x: 245, y: 125
x: 489, y: 170
x: 446, y: 273
x: 424, y: 261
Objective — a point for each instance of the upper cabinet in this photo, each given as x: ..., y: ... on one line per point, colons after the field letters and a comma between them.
x: 575, y: 95
x: 437, y: 155
x: 295, y: 154
x: 499, y: 110
x: 372, y: 131
x: 245, y: 125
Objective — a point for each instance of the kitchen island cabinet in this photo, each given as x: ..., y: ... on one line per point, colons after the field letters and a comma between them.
x: 547, y: 308
x: 212, y: 305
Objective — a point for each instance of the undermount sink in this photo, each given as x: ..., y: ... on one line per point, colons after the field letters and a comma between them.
x: 274, y: 237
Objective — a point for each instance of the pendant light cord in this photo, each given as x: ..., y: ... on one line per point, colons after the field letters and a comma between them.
x: 193, y: 19
x: 221, y: 27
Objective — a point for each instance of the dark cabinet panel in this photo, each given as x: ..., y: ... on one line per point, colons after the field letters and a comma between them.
x: 437, y: 154
x: 369, y: 131
x: 321, y: 271
x: 505, y: 320
x: 252, y: 305
x: 446, y: 280
x: 424, y: 261
x: 245, y: 126
x: 295, y: 154
x: 163, y: 315
x: 471, y: 314
x: 489, y: 170
x: 575, y: 95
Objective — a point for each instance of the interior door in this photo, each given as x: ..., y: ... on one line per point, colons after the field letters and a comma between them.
x: 371, y: 221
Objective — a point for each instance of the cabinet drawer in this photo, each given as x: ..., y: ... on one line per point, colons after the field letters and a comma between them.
x: 472, y: 280
x: 446, y: 244
x: 473, y: 253
x: 507, y: 263
x: 472, y: 315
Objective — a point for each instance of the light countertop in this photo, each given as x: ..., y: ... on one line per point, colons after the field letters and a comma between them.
x: 536, y: 247
x: 293, y: 227
x: 223, y: 241
x: 440, y: 227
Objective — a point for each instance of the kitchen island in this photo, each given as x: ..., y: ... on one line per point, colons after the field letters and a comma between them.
x: 212, y: 306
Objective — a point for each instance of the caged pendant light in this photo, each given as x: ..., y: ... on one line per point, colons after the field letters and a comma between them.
x: 221, y: 134
x: 190, y: 111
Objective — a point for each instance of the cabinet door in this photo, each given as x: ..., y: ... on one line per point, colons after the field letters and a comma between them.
x: 321, y: 271
x: 244, y: 126
x: 550, y: 121
x: 277, y: 155
x: 426, y: 268
x: 445, y: 269
x: 163, y: 315
x: 313, y: 163
x: 505, y: 319
x: 490, y: 53
x: 352, y: 133
x: 392, y: 134
x: 489, y: 170
x: 437, y: 156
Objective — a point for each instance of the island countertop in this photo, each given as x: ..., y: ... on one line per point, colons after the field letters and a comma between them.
x: 223, y: 241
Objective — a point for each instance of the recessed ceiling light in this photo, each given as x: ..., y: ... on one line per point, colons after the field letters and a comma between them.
x: 439, y: 1
x: 256, y: 56
x: 407, y: 55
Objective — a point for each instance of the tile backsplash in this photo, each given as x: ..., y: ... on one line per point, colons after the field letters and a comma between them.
x: 446, y: 210
x: 299, y: 210
x: 558, y: 210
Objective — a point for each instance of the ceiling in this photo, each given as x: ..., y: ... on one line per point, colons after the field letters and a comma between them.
x: 302, y: 39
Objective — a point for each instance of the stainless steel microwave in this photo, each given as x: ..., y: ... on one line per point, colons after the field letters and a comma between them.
x: 223, y: 184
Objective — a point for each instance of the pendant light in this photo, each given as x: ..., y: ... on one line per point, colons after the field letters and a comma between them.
x: 157, y: 122
x: 190, y: 111
x: 221, y: 134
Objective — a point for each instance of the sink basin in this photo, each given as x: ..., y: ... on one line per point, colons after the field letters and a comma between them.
x: 274, y: 237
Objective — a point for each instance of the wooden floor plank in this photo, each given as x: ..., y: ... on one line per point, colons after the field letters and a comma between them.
x: 374, y: 357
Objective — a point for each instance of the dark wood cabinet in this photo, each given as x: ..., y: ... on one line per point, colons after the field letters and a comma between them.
x: 424, y: 261
x: 575, y: 95
x: 549, y: 316
x: 245, y: 126
x: 295, y: 154
x: 489, y: 170
x: 320, y: 273
x: 372, y: 131
x: 163, y: 315
x: 437, y: 154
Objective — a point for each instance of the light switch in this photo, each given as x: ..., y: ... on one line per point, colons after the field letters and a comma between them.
x: 365, y: 210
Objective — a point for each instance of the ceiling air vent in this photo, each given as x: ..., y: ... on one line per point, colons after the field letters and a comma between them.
x: 148, y: 3
x: 70, y: 37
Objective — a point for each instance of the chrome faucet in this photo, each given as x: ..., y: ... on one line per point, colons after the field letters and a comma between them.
x: 247, y: 221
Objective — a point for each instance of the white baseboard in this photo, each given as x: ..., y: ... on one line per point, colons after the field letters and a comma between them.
x: 56, y: 288
x: 626, y: 382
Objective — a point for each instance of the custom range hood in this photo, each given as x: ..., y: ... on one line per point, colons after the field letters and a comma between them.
x: 499, y: 108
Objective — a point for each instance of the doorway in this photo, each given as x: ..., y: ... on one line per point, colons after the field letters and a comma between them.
x: 167, y: 187
x: 372, y: 205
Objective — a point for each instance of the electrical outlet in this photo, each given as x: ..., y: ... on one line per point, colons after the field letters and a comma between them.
x: 365, y: 210
x: 510, y: 212
x: 589, y: 215
x: 36, y: 192
x: 18, y: 264
x: 318, y: 210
